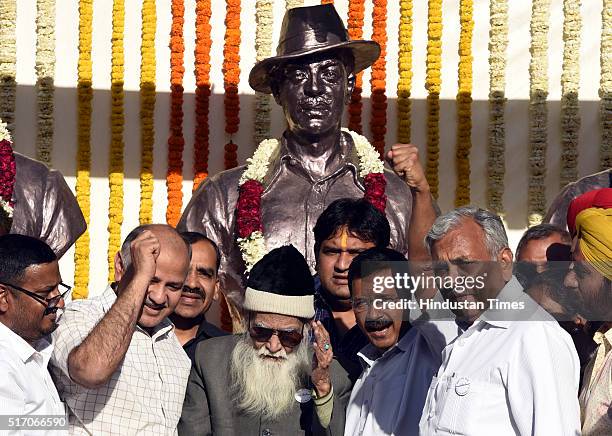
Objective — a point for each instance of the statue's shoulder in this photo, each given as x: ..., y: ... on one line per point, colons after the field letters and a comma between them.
x: 222, y: 182
x: 394, y: 183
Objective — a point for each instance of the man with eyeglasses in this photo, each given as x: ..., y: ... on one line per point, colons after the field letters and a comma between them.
x: 399, y: 362
x: 266, y: 381
x: 31, y: 300
x: 117, y: 363
x: 346, y: 228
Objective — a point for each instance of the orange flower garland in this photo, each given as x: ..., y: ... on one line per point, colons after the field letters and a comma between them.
x: 355, y: 31
x: 231, y: 78
x: 202, y: 76
x: 378, y: 122
x: 176, y: 142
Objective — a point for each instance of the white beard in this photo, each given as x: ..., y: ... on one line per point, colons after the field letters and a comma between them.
x: 266, y: 387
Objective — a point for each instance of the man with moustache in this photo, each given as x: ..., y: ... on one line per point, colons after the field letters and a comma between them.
x: 200, y: 289
x: 346, y: 228
x: 591, y: 275
x: 117, y: 363
x: 312, y: 77
x: 398, y: 364
x: 31, y: 295
x: 264, y: 381
x: 509, y: 371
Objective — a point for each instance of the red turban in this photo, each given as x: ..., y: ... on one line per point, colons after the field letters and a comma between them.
x: 600, y: 198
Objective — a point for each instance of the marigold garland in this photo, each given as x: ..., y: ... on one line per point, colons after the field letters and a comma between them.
x: 115, y: 170
x: 83, y: 184
x: 464, y: 104
x: 263, y: 48
x: 176, y: 142
x: 570, y: 84
x: 498, y: 43
x: 8, y: 62
x: 355, y: 30
x: 404, y: 64
x: 432, y: 84
x: 231, y: 78
x: 147, y: 110
x: 378, y: 121
x: 538, y: 114
x: 605, y: 86
x: 45, y: 72
x: 202, y: 98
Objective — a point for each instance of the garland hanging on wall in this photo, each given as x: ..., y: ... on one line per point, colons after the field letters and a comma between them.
x: 45, y: 73
x: 605, y: 87
x: 8, y: 62
x: 147, y: 110
x: 570, y: 84
x: 115, y: 170
x: 498, y: 43
x: 176, y: 142
x: 231, y: 78
x: 404, y: 64
x: 263, y: 48
x: 202, y: 97
x: 432, y: 84
x: 290, y: 4
x: 355, y: 31
x: 538, y: 114
x: 83, y: 184
x: 378, y: 121
x: 8, y: 170
x: 464, y: 104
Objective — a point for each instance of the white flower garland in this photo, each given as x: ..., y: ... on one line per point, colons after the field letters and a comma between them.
x: 45, y: 72
x: 5, y: 135
x: 8, y: 61
x: 538, y: 115
x: 253, y: 247
x: 263, y: 47
x: 570, y: 84
x: 605, y: 86
x: 498, y: 43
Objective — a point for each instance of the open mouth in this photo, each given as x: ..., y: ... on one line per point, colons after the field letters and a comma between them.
x: 378, y: 326
x: 154, y: 308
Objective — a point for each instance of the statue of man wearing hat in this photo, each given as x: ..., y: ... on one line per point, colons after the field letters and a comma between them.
x: 277, y: 198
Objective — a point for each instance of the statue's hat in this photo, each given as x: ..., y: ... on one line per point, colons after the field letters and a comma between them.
x: 310, y: 30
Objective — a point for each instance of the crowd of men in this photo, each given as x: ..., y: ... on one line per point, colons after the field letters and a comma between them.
x: 325, y: 338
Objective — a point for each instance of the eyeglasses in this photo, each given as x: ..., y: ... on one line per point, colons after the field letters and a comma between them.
x: 49, y: 303
x: 380, y: 301
x: 288, y: 338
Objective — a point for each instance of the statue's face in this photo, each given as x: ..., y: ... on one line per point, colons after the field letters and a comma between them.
x: 313, y: 93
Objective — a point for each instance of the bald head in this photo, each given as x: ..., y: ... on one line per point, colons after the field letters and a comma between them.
x: 169, y: 239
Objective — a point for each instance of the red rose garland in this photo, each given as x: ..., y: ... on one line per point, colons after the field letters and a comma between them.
x: 249, y: 208
x: 7, y: 177
x: 375, y: 184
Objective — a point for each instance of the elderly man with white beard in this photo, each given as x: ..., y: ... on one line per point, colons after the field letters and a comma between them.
x: 266, y: 381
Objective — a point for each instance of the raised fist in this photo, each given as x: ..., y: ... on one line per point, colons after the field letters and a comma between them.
x: 404, y: 160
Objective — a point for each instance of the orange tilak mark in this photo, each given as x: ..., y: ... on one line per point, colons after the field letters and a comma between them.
x: 343, y: 239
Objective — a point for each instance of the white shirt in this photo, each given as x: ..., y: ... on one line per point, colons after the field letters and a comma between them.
x: 145, y: 394
x: 506, y: 377
x: 26, y: 387
x: 389, y: 395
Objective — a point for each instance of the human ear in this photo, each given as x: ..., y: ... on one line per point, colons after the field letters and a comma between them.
x: 350, y: 86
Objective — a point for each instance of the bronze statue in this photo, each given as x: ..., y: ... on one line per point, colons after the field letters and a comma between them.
x: 41, y: 202
x: 312, y: 78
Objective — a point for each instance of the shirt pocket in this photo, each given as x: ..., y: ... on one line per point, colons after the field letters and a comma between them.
x: 461, y: 412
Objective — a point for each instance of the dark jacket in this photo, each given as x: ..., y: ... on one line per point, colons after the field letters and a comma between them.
x: 205, y: 331
x: 208, y: 408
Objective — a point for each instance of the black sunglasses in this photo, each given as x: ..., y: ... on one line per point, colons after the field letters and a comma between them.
x: 288, y: 338
x: 49, y: 303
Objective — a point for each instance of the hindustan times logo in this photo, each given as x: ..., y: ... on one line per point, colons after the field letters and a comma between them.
x: 411, y: 283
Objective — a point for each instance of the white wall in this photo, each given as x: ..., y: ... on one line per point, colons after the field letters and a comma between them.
x: 64, y: 155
